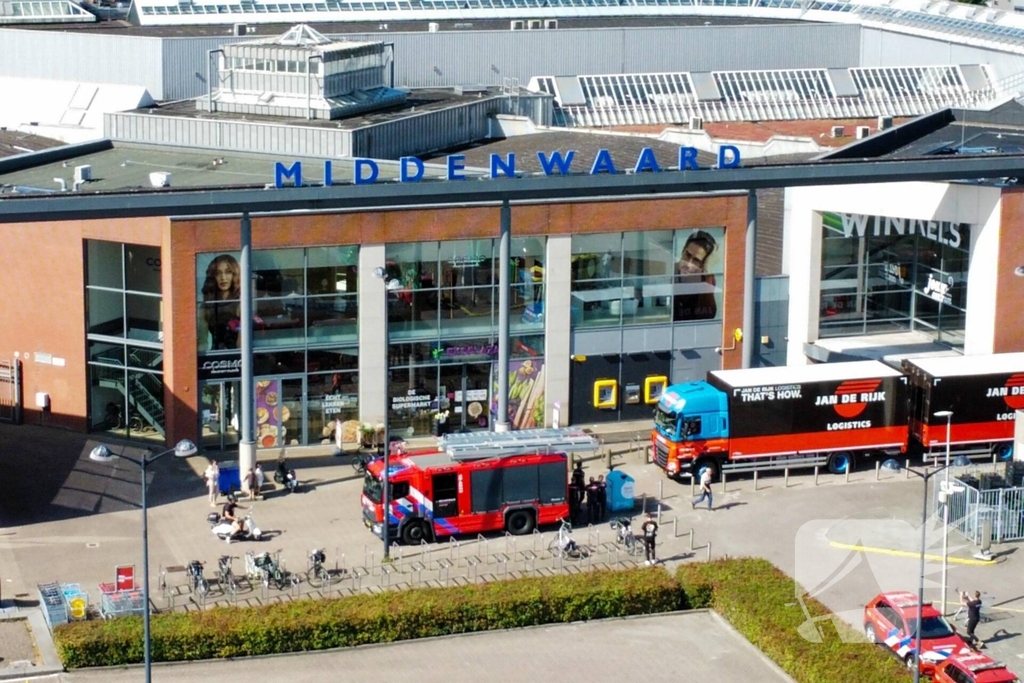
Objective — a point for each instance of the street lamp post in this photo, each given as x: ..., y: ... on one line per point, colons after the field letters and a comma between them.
x: 948, y: 414
x: 390, y: 285
x: 925, y: 476
x: 101, y: 453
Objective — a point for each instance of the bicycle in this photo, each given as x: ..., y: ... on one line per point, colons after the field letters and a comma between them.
x: 564, y: 546
x: 317, y: 575
x: 228, y: 581
x: 271, y: 571
x: 625, y: 537
x: 196, y: 581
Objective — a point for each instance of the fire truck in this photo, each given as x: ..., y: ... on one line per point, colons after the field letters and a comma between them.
x: 472, y: 483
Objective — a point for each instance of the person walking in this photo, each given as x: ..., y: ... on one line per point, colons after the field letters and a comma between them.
x: 602, y: 497
x: 251, y: 483
x: 649, y: 529
x: 212, y: 477
x: 592, y: 492
x: 973, y: 605
x: 260, y: 479
x: 705, y: 489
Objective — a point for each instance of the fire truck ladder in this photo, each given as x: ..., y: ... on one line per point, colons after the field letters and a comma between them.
x: 480, y: 445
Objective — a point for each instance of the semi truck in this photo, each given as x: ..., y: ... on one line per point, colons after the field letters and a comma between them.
x: 833, y: 414
x: 472, y: 483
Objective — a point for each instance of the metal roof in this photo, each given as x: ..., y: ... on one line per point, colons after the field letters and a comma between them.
x: 799, y: 374
x: 480, y: 445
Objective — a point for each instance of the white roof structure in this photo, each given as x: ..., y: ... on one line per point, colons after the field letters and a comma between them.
x: 43, y: 12
x: 480, y: 445
x: 799, y: 374
x: 961, y: 366
x: 789, y: 94
x: 959, y: 23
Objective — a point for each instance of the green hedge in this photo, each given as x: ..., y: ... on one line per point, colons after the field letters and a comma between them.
x: 760, y: 602
x: 380, y: 618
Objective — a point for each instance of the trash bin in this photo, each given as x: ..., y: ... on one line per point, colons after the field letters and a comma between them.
x: 620, y: 491
x: 229, y: 479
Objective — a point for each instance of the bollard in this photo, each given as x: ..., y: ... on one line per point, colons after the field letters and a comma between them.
x: 816, y: 475
x: 693, y: 485
x: 643, y: 504
x: 849, y: 466
x: 691, y: 539
x: 755, y: 480
x: 878, y: 469
x: 907, y: 468
x: 661, y: 490
x: 935, y: 461
x: 724, y: 482
x: 659, y: 513
x: 608, y: 459
x: 675, y: 527
x: 995, y: 460
x: 709, y: 551
x: 785, y: 481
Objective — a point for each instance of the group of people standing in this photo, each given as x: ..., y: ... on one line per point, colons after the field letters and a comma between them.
x: 254, y: 481
x: 594, y: 492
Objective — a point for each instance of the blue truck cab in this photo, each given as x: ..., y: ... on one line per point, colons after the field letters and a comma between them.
x: 688, y: 419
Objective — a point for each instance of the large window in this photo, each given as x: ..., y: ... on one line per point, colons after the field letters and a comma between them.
x: 124, y: 310
x: 883, y: 274
x: 653, y: 276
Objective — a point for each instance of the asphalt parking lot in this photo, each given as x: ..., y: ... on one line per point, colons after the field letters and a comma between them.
x: 844, y: 541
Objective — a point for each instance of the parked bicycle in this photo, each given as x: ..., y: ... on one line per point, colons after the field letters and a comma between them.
x: 228, y: 581
x: 624, y: 536
x: 317, y: 575
x: 196, y: 581
x: 270, y: 571
x: 563, y: 545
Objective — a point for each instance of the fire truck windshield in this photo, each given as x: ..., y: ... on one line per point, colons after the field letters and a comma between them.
x: 666, y: 421
x: 372, y: 488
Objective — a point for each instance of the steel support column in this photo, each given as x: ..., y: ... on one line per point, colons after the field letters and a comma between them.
x: 247, y: 439
x: 504, y: 256
x: 749, y: 264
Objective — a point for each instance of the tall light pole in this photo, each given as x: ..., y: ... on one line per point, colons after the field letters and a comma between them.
x: 390, y: 285
x: 101, y: 453
x: 948, y: 414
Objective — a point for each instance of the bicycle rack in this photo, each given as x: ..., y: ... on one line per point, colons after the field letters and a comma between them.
x: 357, y: 577
x: 385, y: 576
x: 396, y: 551
x: 530, y: 561
x: 593, y: 535
x: 471, y: 564
x: 537, y: 538
x: 368, y: 558
x: 443, y: 565
x: 417, y: 568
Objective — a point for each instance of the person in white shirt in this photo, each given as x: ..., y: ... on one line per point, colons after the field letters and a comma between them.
x: 212, y: 475
x: 705, y: 488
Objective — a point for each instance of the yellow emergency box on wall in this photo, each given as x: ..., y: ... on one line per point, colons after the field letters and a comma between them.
x: 606, y: 393
x: 654, y: 387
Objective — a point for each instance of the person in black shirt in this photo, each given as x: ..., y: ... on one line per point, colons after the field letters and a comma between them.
x: 602, y: 496
x: 649, y: 531
x: 228, y: 513
x: 592, y: 493
x: 973, y: 606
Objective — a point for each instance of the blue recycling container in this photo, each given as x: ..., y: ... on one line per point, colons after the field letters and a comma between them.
x: 620, y: 491
x: 229, y: 479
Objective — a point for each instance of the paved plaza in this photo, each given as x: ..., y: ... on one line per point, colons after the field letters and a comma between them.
x: 76, y: 521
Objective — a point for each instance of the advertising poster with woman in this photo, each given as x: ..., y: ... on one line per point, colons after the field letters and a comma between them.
x: 700, y: 260
x: 525, y: 394
x: 218, y: 285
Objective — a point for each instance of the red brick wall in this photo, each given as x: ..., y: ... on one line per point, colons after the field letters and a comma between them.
x: 1009, y: 319
x: 43, y: 309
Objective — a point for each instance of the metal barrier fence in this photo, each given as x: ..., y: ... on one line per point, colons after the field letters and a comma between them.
x: 971, y: 508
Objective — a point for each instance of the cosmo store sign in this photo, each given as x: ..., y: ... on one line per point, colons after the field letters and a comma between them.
x: 411, y: 170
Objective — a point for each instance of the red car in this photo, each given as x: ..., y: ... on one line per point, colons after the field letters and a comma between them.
x: 890, y: 618
x: 973, y: 668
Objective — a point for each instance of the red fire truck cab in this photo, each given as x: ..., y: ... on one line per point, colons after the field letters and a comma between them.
x: 473, y: 483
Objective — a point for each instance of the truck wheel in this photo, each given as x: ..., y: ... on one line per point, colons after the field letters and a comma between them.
x: 520, y: 522
x: 1002, y: 451
x: 413, y: 532
x: 839, y: 462
x: 708, y: 464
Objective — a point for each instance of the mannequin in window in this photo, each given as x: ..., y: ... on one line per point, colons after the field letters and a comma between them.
x: 691, y: 269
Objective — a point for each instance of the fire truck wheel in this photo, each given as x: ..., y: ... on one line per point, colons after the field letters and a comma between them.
x: 413, y: 532
x: 839, y: 462
x: 520, y: 522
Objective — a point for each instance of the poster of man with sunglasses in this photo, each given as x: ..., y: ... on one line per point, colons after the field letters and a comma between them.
x: 695, y: 286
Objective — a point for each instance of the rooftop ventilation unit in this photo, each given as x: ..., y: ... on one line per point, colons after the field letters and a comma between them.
x: 535, y: 24
x: 518, y: 25
x: 433, y: 27
x: 884, y: 122
x: 160, y: 179
x: 838, y: 132
x: 863, y: 132
x: 696, y: 123
x: 239, y: 30
x: 551, y: 23
x: 83, y: 173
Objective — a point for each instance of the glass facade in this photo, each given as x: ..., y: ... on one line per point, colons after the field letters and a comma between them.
x: 654, y: 276
x: 124, y: 339
x: 305, y: 337
x: 443, y: 328
x: 882, y: 274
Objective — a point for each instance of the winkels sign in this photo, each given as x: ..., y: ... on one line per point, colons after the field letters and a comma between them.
x: 411, y: 170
